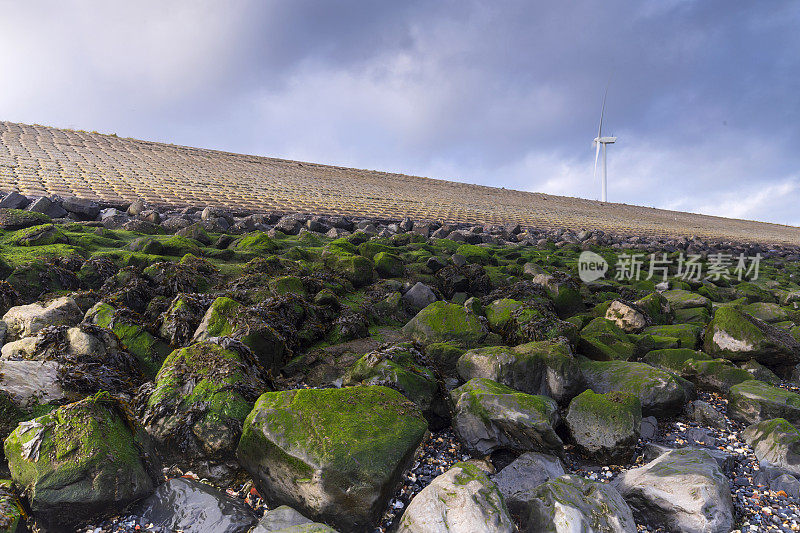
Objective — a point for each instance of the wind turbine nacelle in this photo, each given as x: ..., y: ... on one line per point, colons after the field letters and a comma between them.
x: 606, y: 140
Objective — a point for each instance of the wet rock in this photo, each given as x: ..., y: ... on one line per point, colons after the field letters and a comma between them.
x: 545, y: 368
x: 84, y: 209
x: 628, y: 317
x: 462, y: 500
x: 602, y: 340
x: 718, y: 375
x: 180, y: 320
x: 687, y: 334
x: 563, y: 290
x: 15, y: 219
x: 683, y: 299
x: 681, y: 490
x: 418, y: 297
x: 192, y: 507
x: 489, y: 416
x: 83, y: 460
x: 657, y: 308
x: 520, y: 322
x: 660, y: 393
x: 704, y: 414
x: 754, y: 401
x: 518, y: 481
x: 28, y: 320
x: 571, y: 503
x: 14, y: 200
x: 776, y: 443
x: 284, y: 519
x: 389, y: 265
x: 334, y: 454
x: 605, y: 427
x: 202, y: 395
x: 29, y: 383
x: 443, y: 322
x: 738, y: 336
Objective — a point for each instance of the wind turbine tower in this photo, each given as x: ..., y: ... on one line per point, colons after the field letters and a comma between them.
x: 605, y: 141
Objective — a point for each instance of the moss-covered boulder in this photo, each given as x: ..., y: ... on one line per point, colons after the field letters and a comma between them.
x: 564, y: 291
x: 39, y: 236
x: 257, y: 242
x: 81, y: 461
x: 767, y: 311
x: 283, y: 285
x: 146, y: 245
x: 738, y: 336
x: 753, y: 292
x: 443, y: 356
x: 680, y: 490
x: 397, y: 367
x: 475, y: 254
x: 488, y: 416
x: 688, y: 334
x: 657, y: 308
x: 147, y: 348
x: 11, y: 219
x: 605, y: 427
x: 572, y: 503
x: 683, y: 299
x: 673, y: 359
x: 181, y: 318
x: 461, y: 499
x: 693, y: 315
x: 201, y: 396
x: 31, y: 279
x: 544, y: 368
x: 520, y: 322
x: 602, y: 340
x: 446, y: 322
x: 356, y: 269
x: 717, y: 375
x: 336, y: 455
x: 776, y: 443
x: 389, y: 265
x: 754, y: 401
x: 660, y: 393
x: 228, y: 318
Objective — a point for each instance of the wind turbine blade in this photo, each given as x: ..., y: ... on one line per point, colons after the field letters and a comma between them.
x: 596, y: 159
x: 602, y: 113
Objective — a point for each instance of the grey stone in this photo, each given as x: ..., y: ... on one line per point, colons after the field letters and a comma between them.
x: 14, y: 200
x: 775, y: 442
x: 27, y: 320
x: 518, y: 481
x: 419, y: 296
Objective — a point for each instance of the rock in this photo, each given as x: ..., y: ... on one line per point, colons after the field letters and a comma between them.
x: 683, y: 299
x: 82, y: 460
x: 775, y: 442
x: 687, y: 334
x: 180, y: 320
x: 649, y: 428
x: 15, y: 219
x: 28, y: 320
x: 31, y: 383
x: 228, y: 318
x: 201, y: 397
x: 189, y: 506
x: 284, y: 519
x: 605, y: 426
x: 681, y: 490
x: 443, y: 322
x: 357, y: 269
x: 657, y: 308
x: 544, y: 368
x: 564, y: 292
x: 673, y: 359
x: 462, y: 500
x: 602, y: 340
x: 84, y: 209
x: 14, y: 200
x: 760, y: 372
x: 12, y: 512
x: 24, y: 348
x: 149, y: 350
x: 334, y: 454
x: 419, y: 296
x: 47, y: 207
x: 754, y: 401
x: 518, y: 481
x: 396, y: 367
x: 41, y: 235
x: 628, y: 317
x: 571, y: 504
x: 389, y: 265
x: 660, y: 393
x: 704, y: 414
x: 489, y: 416
x: 766, y: 311
x: 737, y: 336
x: 520, y: 322
x: 718, y: 375
x: 136, y: 207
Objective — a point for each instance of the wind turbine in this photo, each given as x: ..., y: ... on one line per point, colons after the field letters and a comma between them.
x: 605, y: 141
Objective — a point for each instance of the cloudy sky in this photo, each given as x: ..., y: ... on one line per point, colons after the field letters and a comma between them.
x: 704, y: 95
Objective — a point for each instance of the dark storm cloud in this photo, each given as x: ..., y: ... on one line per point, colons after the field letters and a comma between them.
x: 703, y: 94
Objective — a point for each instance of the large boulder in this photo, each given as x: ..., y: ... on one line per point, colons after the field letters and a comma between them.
x: 775, y: 442
x: 541, y: 367
x: 488, y: 416
x: 738, y: 336
x: 681, y: 490
x: 81, y: 461
x: 571, y: 503
x: 28, y: 320
x: 12, y: 219
x: 201, y: 397
x: 284, y: 519
x: 462, y: 500
x: 519, y: 480
x: 228, y: 318
x: 602, y: 340
x: 754, y: 401
x: 630, y: 318
x: 605, y: 427
x: 396, y: 367
x: 443, y: 322
x: 336, y: 455
x: 687, y: 334
x: 533, y: 320
x: 657, y: 308
x: 30, y: 383
x: 189, y: 506
x: 683, y: 299
x: 660, y: 393
x: 717, y: 375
